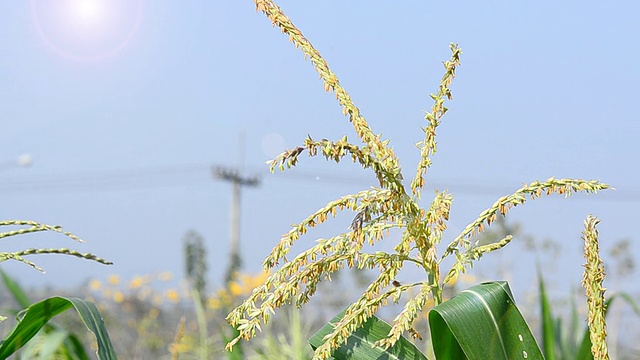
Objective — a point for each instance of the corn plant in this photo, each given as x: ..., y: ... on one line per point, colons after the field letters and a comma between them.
x: 36, y: 316
x: 570, y: 340
x: 391, y: 205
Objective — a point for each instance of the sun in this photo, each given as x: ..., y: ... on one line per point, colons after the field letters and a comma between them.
x: 89, y: 12
x: 86, y: 30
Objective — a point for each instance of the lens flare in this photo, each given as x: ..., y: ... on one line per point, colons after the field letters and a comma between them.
x: 86, y: 30
x: 88, y: 12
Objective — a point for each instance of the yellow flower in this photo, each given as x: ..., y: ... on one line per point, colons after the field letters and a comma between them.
x: 95, y: 285
x: 214, y: 303
x: 173, y: 295
x: 257, y: 280
x: 118, y: 297
x: 235, y: 288
x: 113, y: 280
x: 245, y: 278
x: 136, y: 282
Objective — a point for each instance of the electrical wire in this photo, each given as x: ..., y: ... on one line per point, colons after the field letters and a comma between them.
x: 200, y: 175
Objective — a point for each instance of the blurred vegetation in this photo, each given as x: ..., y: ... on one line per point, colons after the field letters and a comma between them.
x: 145, y: 313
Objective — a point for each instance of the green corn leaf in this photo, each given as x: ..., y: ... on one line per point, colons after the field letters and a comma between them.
x: 16, y: 291
x: 359, y: 344
x: 74, y: 348
x: 482, y: 323
x: 548, y: 324
x: 570, y: 346
x: 584, y: 351
x: 71, y: 343
x: 38, y: 315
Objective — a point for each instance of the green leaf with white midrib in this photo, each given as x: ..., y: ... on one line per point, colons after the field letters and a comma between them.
x: 359, y: 344
x: 71, y: 343
x: 482, y: 323
x: 93, y: 320
x: 36, y: 316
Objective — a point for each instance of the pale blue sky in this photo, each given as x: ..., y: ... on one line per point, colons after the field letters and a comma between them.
x: 124, y: 112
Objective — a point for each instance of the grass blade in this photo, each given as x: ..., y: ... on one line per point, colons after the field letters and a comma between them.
x: 16, y: 291
x: 548, y: 331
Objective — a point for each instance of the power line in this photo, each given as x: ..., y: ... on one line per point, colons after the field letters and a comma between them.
x: 199, y: 175
x: 148, y: 175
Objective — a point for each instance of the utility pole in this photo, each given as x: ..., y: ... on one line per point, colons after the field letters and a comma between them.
x: 237, y: 182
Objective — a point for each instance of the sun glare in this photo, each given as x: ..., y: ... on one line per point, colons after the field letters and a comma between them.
x: 86, y: 30
x: 88, y: 12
